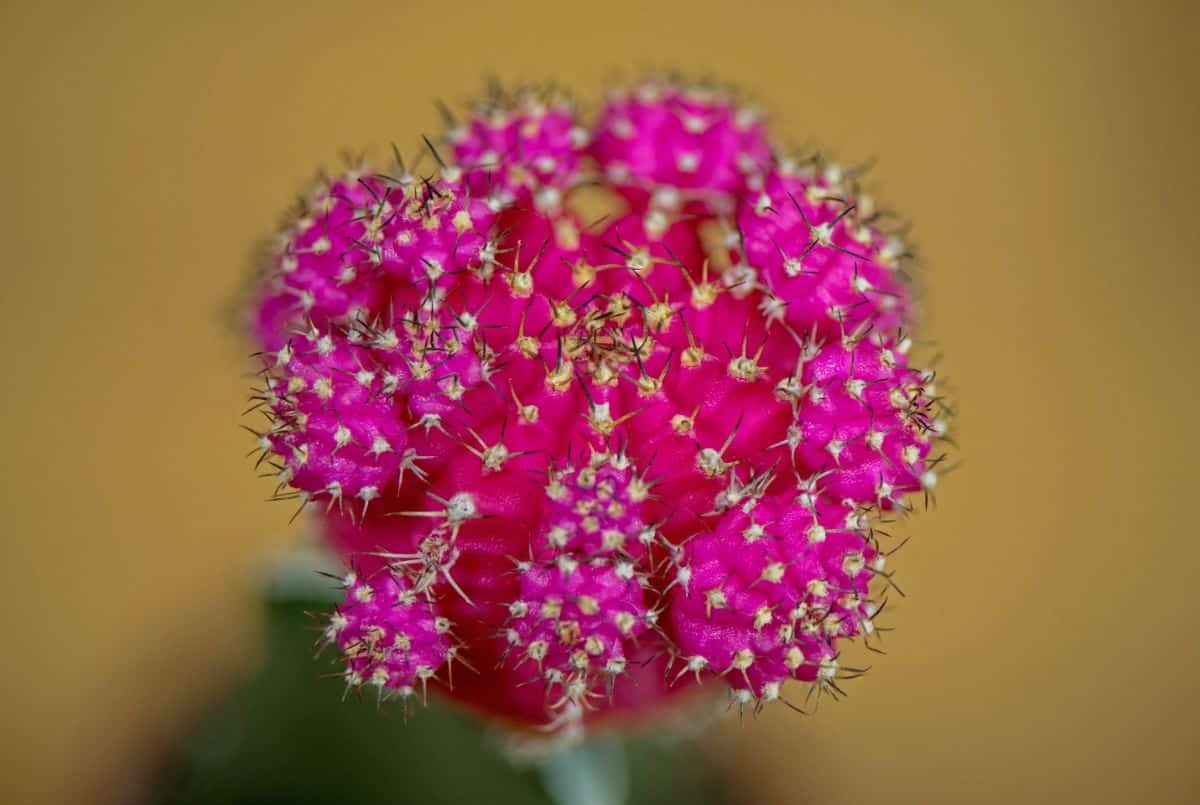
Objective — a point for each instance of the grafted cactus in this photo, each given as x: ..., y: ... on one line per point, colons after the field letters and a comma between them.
x: 596, y: 462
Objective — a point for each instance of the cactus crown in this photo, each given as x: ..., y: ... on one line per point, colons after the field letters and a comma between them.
x: 592, y: 461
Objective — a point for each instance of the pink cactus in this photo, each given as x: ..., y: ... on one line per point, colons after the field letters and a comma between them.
x: 679, y: 143
x: 521, y: 147
x: 829, y: 268
x: 592, y: 464
x: 391, y: 635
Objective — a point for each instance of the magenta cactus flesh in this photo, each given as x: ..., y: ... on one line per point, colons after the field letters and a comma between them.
x: 593, y: 464
x: 392, y: 637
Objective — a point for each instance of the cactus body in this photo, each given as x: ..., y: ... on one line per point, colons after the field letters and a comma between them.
x: 596, y: 461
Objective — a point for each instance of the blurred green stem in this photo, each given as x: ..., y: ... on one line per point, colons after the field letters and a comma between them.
x: 593, y: 773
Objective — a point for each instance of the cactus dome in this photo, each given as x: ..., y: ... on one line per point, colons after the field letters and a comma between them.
x: 600, y: 410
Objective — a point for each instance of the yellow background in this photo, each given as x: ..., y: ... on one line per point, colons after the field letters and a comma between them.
x: 1048, y: 154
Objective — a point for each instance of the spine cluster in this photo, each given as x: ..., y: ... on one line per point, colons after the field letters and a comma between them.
x: 594, y: 458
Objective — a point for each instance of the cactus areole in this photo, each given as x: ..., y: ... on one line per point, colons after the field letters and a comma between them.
x: 576, y: 463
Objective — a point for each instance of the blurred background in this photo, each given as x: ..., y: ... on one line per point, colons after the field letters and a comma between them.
x: 1046, y: 152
